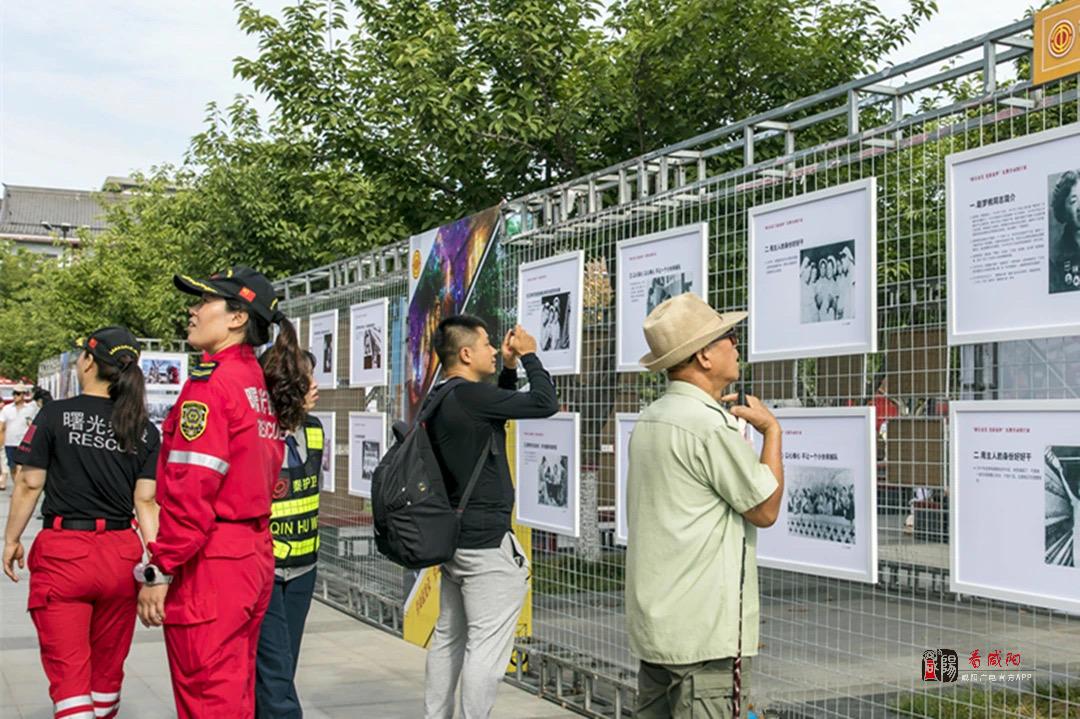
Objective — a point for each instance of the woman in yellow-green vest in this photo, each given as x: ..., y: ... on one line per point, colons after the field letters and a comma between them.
x: 294, y: 525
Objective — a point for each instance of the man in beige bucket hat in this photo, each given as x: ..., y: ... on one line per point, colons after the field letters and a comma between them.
x: 696, y: 492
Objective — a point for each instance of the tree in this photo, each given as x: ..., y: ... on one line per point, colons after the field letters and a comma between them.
x: 453, y: 105
x: 422, y: 111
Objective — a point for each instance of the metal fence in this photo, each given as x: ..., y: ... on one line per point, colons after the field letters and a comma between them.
x: 829, y: 648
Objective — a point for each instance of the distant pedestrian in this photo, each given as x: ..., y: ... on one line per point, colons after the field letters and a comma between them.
x: 15, y: 418
x: 696, y: 490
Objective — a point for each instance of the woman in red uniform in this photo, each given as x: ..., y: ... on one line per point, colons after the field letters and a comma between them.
x: 95, y: 456
x: 211, y: 569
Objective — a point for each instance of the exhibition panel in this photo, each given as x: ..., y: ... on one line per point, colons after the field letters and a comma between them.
x: 368, y: 365
x: 1014, y: 238
x: 367, y: 444
x: 813, y: 274
x: 322, y: 342
x: 549, y: 308
x: 828, y: 516
x: 1015, y: 488
x: 548, y: 474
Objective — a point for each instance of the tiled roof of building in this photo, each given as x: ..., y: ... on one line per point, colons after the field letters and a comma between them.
x: 44, y: 211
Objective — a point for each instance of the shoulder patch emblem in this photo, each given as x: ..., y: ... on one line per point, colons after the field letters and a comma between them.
x: 193, y: 420
x: 202, y: 371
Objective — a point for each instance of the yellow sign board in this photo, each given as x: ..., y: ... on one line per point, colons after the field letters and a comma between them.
x: 1057, y: 51
x: 422, y: 604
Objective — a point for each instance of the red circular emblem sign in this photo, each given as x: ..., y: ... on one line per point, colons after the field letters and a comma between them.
x: 1062, y: 37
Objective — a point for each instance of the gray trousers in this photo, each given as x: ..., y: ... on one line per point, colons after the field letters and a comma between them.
x: 480, y: 597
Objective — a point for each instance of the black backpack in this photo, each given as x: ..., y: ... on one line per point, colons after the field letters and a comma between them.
x: 415, y: 526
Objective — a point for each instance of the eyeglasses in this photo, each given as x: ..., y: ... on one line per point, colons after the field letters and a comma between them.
x: 729, y: 335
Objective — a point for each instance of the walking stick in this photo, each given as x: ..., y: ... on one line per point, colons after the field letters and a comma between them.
x: 736, y: 667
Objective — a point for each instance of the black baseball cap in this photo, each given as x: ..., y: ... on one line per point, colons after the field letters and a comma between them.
x: 110, y: 344
x: 236, y: 283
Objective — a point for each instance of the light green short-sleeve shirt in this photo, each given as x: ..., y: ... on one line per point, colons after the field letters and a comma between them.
x: 690, y: 477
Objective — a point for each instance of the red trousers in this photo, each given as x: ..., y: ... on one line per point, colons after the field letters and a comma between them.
x: 213, y: 613
x: 82, y: 601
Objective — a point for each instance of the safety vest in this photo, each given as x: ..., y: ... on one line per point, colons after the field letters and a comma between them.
x: 294, y: 514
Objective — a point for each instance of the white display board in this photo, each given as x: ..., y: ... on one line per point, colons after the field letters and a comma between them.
x: 1013, y: 230
x: 652, y: 269
x: 548, y: 473
x: 367, y: 443
x: 164, y: 370
x: 1015, y: 501
x: 368, y: 361
x: 165, y: 374
x: 827, y: 524
x: 624, y: 426
x: 327, y: 479
x: 549, y: 308
x: 322, y: 341
x: 813, y: 274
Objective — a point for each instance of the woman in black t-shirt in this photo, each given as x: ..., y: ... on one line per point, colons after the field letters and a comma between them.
x: 94, y: 455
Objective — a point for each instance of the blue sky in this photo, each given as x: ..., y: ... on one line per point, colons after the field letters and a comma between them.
x: 93, y: 88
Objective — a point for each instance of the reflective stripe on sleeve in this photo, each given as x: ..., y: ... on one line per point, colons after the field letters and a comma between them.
x: 199, y: 460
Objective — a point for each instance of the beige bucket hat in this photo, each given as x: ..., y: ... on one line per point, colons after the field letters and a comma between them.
x: 681, y: 326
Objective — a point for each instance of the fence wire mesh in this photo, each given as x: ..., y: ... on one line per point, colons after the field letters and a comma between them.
x: 829, y: 647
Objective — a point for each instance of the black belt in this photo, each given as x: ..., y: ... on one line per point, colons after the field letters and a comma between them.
x: 86, y: 525
x: 250, y: 521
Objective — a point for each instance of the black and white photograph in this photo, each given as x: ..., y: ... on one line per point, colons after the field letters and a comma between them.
x: 367, y: 438
x: 328, y: 480
x: 820, y: 503
x: 651, y: 269
x: 1061, y: 477
x: 813, y: 274
x: 372, y: 348
x: 158, y: 407
x: 827, y: 525
x: 547, y: 472
x: 827, y: 282
x: 1014, y: 501
x: 322, y: 331
x: 164, y: 369
x: 1063, y: 194
x: 328, y: 353
x: 370, y: 459
x: 368, y: 364
x: 1013, y: 238
x: 549, y: 308
x: 665, y: 287
x: 552, y: 482
x: 555, y: 328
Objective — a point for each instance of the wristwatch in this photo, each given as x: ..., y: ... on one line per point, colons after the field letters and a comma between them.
x: 150, y: 575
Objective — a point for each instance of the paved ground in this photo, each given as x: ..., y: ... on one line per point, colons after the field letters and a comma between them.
x: 347, y: 669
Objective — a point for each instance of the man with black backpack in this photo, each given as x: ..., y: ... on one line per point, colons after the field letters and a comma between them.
x: 484, y: 583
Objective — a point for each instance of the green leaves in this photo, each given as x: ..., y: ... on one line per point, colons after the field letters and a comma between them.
x: 393, y: 116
